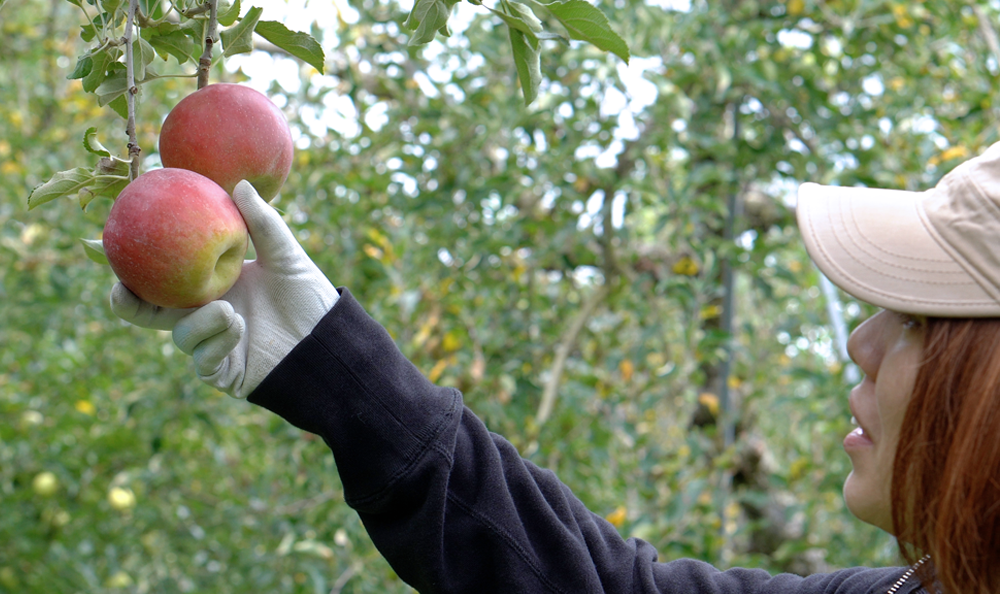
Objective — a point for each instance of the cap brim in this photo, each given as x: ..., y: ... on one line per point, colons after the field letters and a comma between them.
x: 875, y: 245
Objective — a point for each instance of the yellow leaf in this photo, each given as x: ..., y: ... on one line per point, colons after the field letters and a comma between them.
x: 627, y: 368
x: 617, y: 517
x: 710, y: 311
x: 425, y: 330
x: 686, y: 267
x: 798, y: 469
x: 955, y: 152
x: 451, y: 342
x: 437, y: 370
x: 85, y: 406
x: 734, y: 382
x: 378, y: 237
x: 709, y: 401
x: 796, y: 7
x: 373, y: 252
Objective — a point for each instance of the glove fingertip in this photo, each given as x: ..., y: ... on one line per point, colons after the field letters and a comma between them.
x: 124, y: 303
x: 269, y: 232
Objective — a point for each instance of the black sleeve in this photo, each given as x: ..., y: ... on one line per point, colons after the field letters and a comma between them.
x: 453, y: 507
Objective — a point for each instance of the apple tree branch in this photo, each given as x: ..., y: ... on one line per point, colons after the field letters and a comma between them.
x: 131, y: 90
x: 205, y: 62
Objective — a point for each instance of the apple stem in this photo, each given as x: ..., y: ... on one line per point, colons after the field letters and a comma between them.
x: 131, y: 90
x: 205, y: 62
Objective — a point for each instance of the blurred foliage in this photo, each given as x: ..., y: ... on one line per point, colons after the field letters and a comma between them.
x: 479, y: 232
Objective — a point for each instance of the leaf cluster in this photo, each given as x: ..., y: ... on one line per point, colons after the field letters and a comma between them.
x: 574, y: 19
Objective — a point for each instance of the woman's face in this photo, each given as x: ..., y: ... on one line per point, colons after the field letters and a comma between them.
x: 887, y: 347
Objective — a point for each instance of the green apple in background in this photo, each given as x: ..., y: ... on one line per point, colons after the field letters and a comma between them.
x: 229, y: 132
x: 121, y: 498
x: 45, y: 484
x: 175, y: 238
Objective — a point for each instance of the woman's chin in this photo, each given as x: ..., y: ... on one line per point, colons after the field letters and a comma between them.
x: 865, y: 505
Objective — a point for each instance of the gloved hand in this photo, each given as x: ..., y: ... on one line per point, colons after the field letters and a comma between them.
x: 276, y: 302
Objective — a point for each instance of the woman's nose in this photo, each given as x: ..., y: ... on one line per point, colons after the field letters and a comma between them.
x: 864, y: 345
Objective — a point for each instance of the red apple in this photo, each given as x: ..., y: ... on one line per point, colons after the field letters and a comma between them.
x: 227, y: 133
x: 175, y: 238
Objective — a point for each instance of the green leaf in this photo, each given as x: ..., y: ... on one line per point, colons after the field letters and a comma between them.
x: 138, y: 66
x: 301, y: 45
x: 88, y: 32
x: 196, y: 29
x: 427, y: 18
x: 84, y: 65
x: 527, y: 16
x: 99, y: 69
x: 153, y: 9
x: 227, y: 16
x: 175, y: 43
x: 527, y: 60
x: 586, y: 22
x: 64, y: 183
x: 94, y: 248
x: 113, y: 167
x: 516, y: 22
x: 239, y: 39
x: 106, y: 186
x: 143, y: 55
x: 114, y: 86
x: 111, y: 6
x: 120, y: 105
x: 92, y: 145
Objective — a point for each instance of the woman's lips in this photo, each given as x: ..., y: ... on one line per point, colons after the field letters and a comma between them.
x: 857, y: 438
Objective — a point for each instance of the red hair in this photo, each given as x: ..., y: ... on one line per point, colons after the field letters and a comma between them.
x: 946, y: 475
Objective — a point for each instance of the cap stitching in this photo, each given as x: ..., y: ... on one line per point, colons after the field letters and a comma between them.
x: 899, y: 266
x: 976, y: 194
x: 866, y: 287
x: 892, y: 253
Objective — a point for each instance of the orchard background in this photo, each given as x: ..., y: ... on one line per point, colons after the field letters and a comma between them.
x: 559, y: 244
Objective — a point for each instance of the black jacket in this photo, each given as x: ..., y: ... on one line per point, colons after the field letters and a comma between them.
x: 453, y: 507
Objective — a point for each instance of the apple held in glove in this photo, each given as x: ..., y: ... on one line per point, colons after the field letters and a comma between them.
x: 228, y: 132
x: 175, y: 238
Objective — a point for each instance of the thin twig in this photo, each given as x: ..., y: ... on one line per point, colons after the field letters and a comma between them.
x: 205, y: 62
x: 200, y: 9
x: 304, y: 504
x: 343, y: 579
x: 566, y: 345
x: 987, y: 31
x: 131, y: 90
x: 612, y: 269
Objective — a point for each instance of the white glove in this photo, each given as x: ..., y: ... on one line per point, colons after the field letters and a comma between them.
x: 276, y: 302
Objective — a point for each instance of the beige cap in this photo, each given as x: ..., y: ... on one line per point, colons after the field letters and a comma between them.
x: 934, y: 253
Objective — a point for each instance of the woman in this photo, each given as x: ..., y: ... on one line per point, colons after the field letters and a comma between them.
x: 454, y: 508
